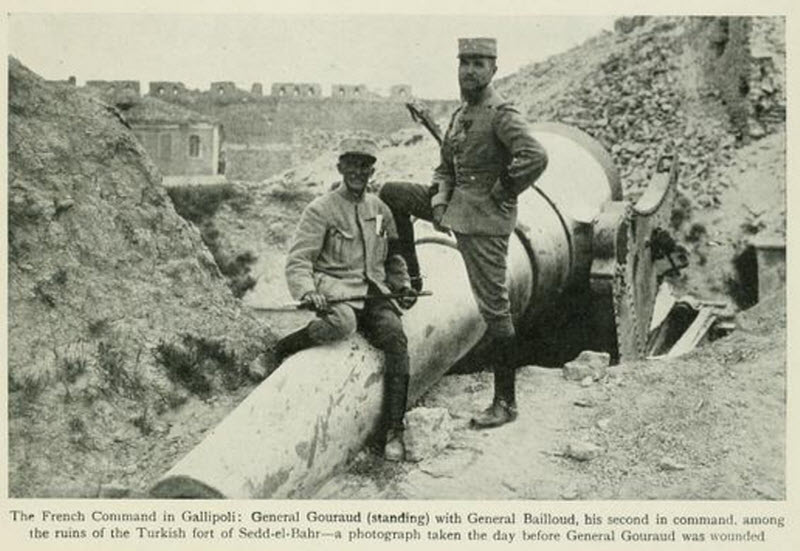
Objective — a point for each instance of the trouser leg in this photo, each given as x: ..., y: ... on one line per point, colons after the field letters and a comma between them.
x: 339, y: 323
x: 485, y: 258
x: 406, y: 200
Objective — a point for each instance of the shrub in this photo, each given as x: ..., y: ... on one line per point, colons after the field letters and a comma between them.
x: 116, y: 377
x: 199, y: 203
x: 195, y: 362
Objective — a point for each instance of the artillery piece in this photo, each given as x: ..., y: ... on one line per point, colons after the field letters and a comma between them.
x: 576, y: 237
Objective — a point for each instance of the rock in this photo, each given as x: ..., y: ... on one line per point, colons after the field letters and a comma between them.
x: 576, y: 371
x: 113, y: 491
x: 602, y: 424
x: 584, y: 403
x: 257, y: 370
x: 587, y: 364
x: 64, y: 204
x: 594, y: 359
x: 756, y: 130
x: 587, y: 381
x: 571, y: 492
x: 582, y: 451
x: 427, y: 432
x: 666, y: 463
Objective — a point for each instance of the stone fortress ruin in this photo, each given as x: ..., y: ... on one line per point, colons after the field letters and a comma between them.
x: 227, y: 91
x: 266, y: 133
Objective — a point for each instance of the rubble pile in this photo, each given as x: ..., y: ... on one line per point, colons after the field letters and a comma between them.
x: 642, y: 92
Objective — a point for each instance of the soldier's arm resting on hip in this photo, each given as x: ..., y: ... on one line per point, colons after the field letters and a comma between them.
x: 528, y: 157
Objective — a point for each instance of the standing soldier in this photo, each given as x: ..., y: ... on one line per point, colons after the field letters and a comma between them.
x: 342, y: 248
x: 488, y: 157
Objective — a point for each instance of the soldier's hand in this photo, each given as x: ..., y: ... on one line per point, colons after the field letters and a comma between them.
x: 408, y: 299
x: 316, y: 301
x: 501, y: 197
x: 438, y: 215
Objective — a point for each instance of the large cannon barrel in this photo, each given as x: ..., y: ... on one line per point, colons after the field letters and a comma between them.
x: 318, y: 408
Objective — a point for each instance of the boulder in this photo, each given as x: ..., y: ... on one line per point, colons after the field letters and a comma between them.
x: 587, y: 364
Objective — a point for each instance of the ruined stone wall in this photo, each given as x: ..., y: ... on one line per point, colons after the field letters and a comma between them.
x: 400, y: 92
x: 264, y: 134
x: 289, y: 90
x: 745, y: 58
x: 254, y: 130
x: 349, y: 91
x: 168, y: 90
x: 116, y: 91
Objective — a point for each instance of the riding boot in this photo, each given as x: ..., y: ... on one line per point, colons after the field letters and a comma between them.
x: 293, y: 342
x: 504, y: 407
x: 396, y: 381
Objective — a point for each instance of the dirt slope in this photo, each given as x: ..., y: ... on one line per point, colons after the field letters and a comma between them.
x: 113, y: 298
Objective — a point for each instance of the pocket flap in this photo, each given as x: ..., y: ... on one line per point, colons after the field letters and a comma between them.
x: 341, y: 232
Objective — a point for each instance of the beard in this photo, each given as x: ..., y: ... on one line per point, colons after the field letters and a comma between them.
x: 472, y: 88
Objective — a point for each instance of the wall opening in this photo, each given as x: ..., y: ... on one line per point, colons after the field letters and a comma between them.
x: 194, y: 146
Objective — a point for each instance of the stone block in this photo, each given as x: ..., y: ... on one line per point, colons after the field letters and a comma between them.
x: 587, y: 364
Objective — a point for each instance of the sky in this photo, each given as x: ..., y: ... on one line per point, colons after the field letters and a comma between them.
x: 377, y: 50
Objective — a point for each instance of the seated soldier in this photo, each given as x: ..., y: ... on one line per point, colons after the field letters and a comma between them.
x: 343, y: 247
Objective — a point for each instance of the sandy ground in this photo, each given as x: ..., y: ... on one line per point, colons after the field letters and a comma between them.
x: 709, y: 425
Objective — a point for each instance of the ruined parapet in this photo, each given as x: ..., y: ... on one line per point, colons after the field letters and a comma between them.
x: 166, y: 90
x: 400, y: 92
x: 349, y: 91
x: 257, y: 89
x: 71, y: 81
x: 296, y: 90
x: 746, y: 59
x: 116, y: 91
x: 225, y: 88
x: 767, y: 76
x: 625, y: 25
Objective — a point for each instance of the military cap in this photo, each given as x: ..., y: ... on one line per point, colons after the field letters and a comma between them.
x: 485, y: 47
x: 358, y: 146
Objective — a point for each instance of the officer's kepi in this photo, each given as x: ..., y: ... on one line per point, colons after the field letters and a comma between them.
x: 483, y: 47
x: 358, y: 146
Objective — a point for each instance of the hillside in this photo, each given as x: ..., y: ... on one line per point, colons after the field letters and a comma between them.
x: 119, y: 316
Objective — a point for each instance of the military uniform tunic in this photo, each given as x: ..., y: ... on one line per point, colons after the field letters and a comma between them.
x: 488, y: 157
x: 340, y: 249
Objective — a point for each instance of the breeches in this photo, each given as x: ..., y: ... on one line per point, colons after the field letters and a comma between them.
x: 486, y: 259
x: 406, y: 200
x: 378, y: 322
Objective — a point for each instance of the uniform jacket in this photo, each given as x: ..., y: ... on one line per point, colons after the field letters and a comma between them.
x: 341, y: 244
x: 488, y: 157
